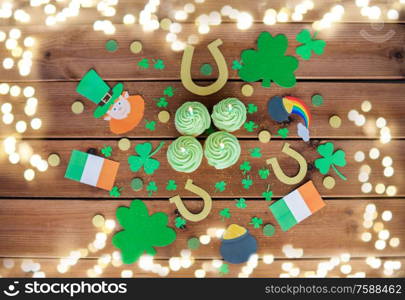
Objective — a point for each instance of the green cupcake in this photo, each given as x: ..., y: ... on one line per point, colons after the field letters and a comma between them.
x: 192, y: 118
x: 185, y: 154
x: 222, y: 149
x: 229, y: 114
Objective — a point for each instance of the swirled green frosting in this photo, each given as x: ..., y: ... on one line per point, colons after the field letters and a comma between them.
x: 192, y: 118
x: 222, y: 149
x: 185, y: 154
x: 229, y: 114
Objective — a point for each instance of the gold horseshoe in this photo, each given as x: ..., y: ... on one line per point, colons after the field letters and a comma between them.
x: 281, y: 175
x: 185, y: 72
x: 184, y: 211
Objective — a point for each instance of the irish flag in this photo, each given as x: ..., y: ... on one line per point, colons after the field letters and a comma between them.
x: 92, y: 170
x: 297, y: 206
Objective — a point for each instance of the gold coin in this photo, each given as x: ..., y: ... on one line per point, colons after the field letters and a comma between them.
x: 164, y: 116
x: 54, y: 160
x: 165, y: 24
x: 77, y: 107
x: 335, y: 121
x: 329, y: 182
x: 264, y: 136
x: 136, y: 47
x: 247, y: 90
x: 124, y: 144
x: 98, y: 221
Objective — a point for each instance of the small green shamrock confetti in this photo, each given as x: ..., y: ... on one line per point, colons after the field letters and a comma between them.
x: 251, y: 108
x: 158, y: 64
x: 250, y: 126
x: 330, y: 159
x: 283, y: 133
x: 150, y: 125
x: 236, y: 65
x: 151, y: 188
x: 106, y: 151
x: 161, y: 102
x: 220, y: 186
x: 179, y: 222
x: 256, y: 222
x: 144, y: 158
x: 225, y: 214
x: 115, y: 191
x: 143, y: 64
x: 309, y: 44
x: 255, y: 152
x: 264, y: 173
x: 169, y: 91
x: 171, y: 185
x: 267, y: 195
x: 241, y: 203
x: 247, y: 182
x: 206, y: 69
x: 223, y: 269
x: 245, y: 167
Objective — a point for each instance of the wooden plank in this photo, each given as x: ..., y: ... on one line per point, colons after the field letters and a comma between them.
x: 14, y: 185
x: 348, y: 54
x: 53, y: 228
x: 262, y: 270
x: 56, y: 98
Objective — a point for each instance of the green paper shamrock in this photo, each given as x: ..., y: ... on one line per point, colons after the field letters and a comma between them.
x: 206, y: 69
x: 143, y: 64
x: 236, y: 65
x: 283, y: 133
x: 245, y: 167
x: 309, y: 44
x: 169, y: 91
x: 251, y: 108
x: 141, y: 232
x: 330, y: 159
x: 225, y: 214
x: 247, y: 182
x: 269, y: 62
x: 264, y: 173
x: 250, y: 126
x: 151, y: 188
x: 267, y: 195
x: 115, y: 191
x: 255, y: 152
x: 158, y: 64
x: 150, y: 125
x: 256, y: 222
x: 241, y: 203
x: 224, y: 269
x: 220, y: 186
x: 179, y: 222
x: 144, y: 158
x: 161, y: 102
x: 106, y: 151
x: 171, y: 185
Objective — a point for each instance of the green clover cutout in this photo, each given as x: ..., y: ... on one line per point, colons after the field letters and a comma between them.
x: 267, y: 195
x: 220, y: 186
x: 330, y: 159
x: 250, y: 126
x: 225, y: 214
x: 115, y: 191
x: 245, y: 167
x: 161, y: 102
x: 179, y: 222
x: 151, y: 188
x: 236, y: 65
x: 251, y: 108
x: 143, y: 64
x: 309, y: 44
x: 269, y: 62
x: 283, y: 133
x: 247, y: 182
x: 264, y: 173
x: 255, y: 152
x: 158, y: 64
x: 169, y: 91
x: 256, y: 222
x: 206, y: 69
x: 106, y: 151
x: 224, y: 269
x: 241, y: 203
x: 142, y: 232
x: 171, y: 185
x: 144, y: 158
x: 150, y: 125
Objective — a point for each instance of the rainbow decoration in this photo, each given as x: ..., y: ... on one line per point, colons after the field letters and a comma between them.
x: 280, y: 108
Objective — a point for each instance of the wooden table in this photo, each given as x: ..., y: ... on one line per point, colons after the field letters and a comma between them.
x: 46, y: 218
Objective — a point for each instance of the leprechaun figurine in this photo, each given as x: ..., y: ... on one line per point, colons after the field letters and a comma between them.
x: 123, y: 112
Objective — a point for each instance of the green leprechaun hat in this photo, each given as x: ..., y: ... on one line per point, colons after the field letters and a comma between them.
x: 93, y: 87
